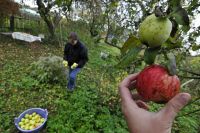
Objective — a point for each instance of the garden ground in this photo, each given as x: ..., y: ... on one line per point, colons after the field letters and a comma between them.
x: 92, y: 108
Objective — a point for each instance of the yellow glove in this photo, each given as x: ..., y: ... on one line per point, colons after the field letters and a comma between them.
x: 74, y: 65
x: 65, y: 63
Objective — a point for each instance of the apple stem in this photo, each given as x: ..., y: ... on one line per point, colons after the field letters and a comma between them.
x: 158, y: 11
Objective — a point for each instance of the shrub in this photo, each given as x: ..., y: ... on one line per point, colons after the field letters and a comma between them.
x: 49, y: 70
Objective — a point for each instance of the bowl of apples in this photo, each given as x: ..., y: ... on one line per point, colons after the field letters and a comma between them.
x: 31, y: 120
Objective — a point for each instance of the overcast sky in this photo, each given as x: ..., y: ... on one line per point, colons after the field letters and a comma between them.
x: 28, y: 2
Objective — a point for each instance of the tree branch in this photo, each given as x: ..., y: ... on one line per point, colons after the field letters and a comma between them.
x: 188, y: 71
x: 112, y: 44
x: 189, y: 77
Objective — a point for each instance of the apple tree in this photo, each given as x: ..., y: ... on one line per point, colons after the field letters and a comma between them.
x: 164, y: 34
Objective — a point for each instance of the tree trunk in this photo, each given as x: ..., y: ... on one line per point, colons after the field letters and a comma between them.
x: 50, y: 26
x: 44, y: 13
x: 108, y: 30
x: 12, y: 23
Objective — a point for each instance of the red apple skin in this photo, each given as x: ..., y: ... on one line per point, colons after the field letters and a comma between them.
x: 155, y: 84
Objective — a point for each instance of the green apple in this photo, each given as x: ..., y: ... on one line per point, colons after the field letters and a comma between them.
x: 23, y: 127
x: 34, y: 113
x: 26, y: 121
x: 40, y: 123
x: 21, y: 123
x: 27, y: 116
x: 74, y: 65
x: 37, y: 120
x: 155, y: 31
x: 42, y: 120
x: 37, y: 115
x: 37, y: 124
x: 22, y: 120
x: 65, y: 63
x: 32, y: 122
x: 30, y: 117
x: 34, y: 118
x: 31, y: 127
x: 26, y: 127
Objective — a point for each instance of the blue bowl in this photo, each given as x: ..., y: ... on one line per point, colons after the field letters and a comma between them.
x: 41, y: 112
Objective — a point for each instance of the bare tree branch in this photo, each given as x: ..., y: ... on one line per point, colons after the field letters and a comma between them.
x: 188, y: 71
x: 189, y: 77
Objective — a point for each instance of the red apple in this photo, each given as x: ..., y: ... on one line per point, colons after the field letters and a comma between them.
x: 155, y: 84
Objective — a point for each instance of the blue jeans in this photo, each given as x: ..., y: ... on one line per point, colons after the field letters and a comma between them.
x: 72, y: 78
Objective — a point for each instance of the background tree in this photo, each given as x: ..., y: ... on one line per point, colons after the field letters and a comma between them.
x: 7, y: 9
x: 91, y: 13
x: 117, y: 29
x: 52, y: 19
x: 95, y: 13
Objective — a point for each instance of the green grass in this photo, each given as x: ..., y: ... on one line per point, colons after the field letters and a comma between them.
x: 91, y: 107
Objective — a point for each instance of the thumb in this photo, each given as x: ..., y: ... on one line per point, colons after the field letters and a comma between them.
x: 174, y: 106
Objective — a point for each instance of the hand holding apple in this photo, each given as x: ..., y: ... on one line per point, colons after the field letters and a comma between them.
x: 136, y: 110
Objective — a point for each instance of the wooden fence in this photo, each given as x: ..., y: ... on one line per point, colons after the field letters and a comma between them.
x: 22, y: 24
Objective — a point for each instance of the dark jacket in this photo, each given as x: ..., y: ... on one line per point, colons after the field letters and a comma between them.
x: 76, y: 54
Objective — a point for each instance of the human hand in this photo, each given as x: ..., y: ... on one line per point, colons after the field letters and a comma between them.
x: 74, y: 66
x: 138, y: 119
x: 65, y: 63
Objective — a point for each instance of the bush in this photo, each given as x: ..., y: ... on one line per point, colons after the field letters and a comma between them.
x: 49, y: 70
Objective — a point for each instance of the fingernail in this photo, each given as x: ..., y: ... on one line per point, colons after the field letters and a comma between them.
x: 185, y: 98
